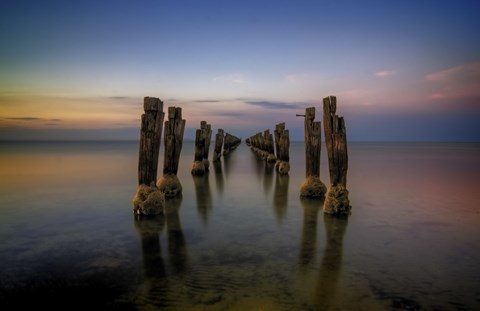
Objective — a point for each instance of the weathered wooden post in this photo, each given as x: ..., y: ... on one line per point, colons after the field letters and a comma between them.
x: 312, y: 187
x: 207, y: 132
x: 217, y: 151
x: 269, y: 149
x: 337, y: 201
x: 169, y: 183
x: 282, y: 146
x: 202, y: 145
x: 148, y: 200
x: 150, y: 136
x: 198, y: 168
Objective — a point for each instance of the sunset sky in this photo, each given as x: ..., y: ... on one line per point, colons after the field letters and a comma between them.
x: 401, y: 70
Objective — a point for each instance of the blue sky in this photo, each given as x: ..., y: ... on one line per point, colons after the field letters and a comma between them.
x: 401, y: 70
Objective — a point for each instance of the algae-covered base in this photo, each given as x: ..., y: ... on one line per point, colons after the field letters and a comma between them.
x: 336, y: 201
x: 282, y: 167
x: 313, y: 187
x: 198, y: 168
x: 170, y: 185
x: 148, y: 200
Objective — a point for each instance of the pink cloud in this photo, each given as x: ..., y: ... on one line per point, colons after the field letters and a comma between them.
x: 385, y: 73
x: 457, y: 82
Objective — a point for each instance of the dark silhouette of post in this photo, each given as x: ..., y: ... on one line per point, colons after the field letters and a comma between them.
x: 337, y: 201
x: 150, y: 136
x: 312, y: 187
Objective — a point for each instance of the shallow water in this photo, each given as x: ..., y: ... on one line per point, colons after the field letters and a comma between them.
x: 240, y: 238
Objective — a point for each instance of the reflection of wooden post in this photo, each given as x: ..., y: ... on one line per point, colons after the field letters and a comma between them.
x: 217, y: 152
x: 173, y: 137
x: 337, y: 201
x: 282, y: 145
x: 150, y: 136
x: 313, y: 187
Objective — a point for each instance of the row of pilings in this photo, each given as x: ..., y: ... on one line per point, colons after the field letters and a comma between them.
x: 273, y: 148
x: 336, y: 196
x: 151, y: 192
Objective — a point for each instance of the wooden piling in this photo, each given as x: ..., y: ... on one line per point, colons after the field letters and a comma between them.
x: 207, y: 132
x: 150, y: 136
x: 149, y: 200
x: 337, y: 201
x: 269, y: 148
x: 282, y: 146
x: 313, y: 187
x: 217, y: 152
x: 173, y: 138
x: 202, y: 145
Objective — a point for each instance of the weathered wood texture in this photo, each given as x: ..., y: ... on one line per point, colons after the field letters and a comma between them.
x: 217, y: 151
x: 202, y: 144
x: 207, y: 134
x: 282, y: 142
x: 336, y: 141
x: 150, y: 137
x: 174, y: 129
x: 313, y: 132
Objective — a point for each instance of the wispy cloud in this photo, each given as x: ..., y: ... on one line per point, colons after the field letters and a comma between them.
x: 276, y: 105
x: 384, y: 73
x: 206, y: 101
x: 461, y: 81
x: 33, y: 119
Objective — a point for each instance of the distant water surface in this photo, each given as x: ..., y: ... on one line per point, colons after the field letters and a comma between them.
x: 240, y: 238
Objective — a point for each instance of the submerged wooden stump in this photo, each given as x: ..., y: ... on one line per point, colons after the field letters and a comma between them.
x: 312, y: 187
x: 148, y: 200
x: 169, y: 183
x: 282, y: 146
x: 230, y: 143
x: 337, y: 201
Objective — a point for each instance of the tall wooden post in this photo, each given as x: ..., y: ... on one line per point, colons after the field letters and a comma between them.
x: 173, y: 137
x: 336, y: 201
x: 150, y: 136
x: 207, y: 132
x: 217, y: 152
x: 282, y: 146
x: 148, y: 200
x: 312, y: 187
x: 202, y: 144
x: 269, y: 149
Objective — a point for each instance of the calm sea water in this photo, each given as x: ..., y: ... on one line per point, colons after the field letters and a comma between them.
x: 240, y: 238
